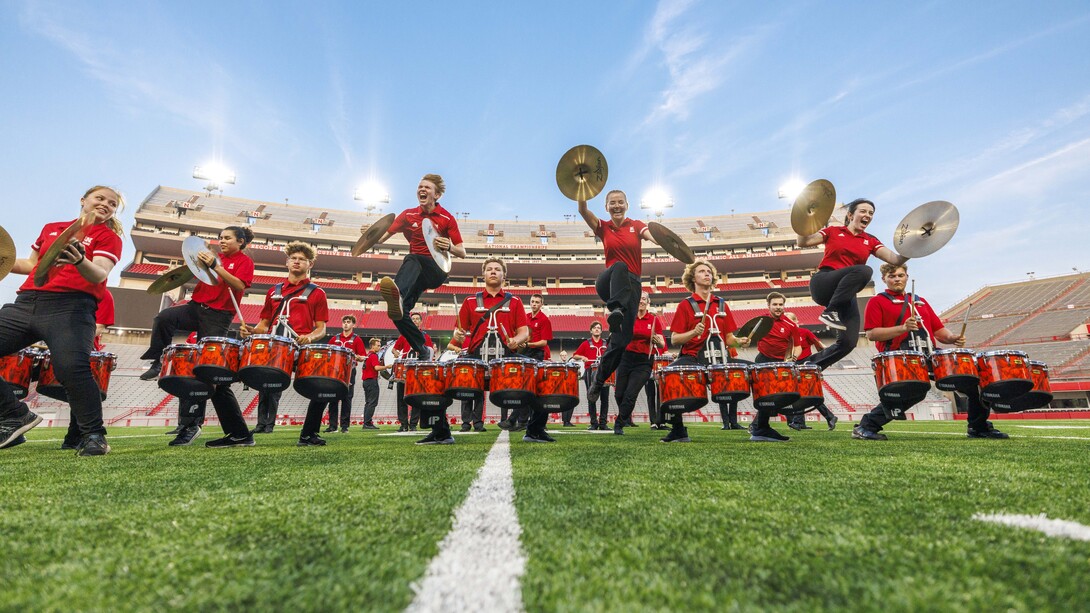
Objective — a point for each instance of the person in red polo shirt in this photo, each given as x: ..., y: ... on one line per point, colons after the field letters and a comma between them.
x: 589, y: 352
x: 807, y: 342
x: 306, y: 318
x: 369, y: 382
x: 635, y: 368
x: 419, y: 272
x: 691, y: 331
x: 842, y: 274
x: 889, y: 324
x: 61, y: 312
x: 619, y: 285
x: 348, y: 339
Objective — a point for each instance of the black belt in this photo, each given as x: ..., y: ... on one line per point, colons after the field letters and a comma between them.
x: 208, y: 308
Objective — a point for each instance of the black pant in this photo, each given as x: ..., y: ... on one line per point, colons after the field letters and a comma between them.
x: 800, y: 419
x: 313, y: 421
x: 407, y: 419
x: 343, y: 408
x: 191, y: 411
x: 836, y: 290
x: 187, y: 317
x: 473, y: 413
x: 418, y: 273
x: 267, y: 405
x: 603, y: 400
x: 370, y: 400
x: 619, y: 289
x: 651, y: 391
x: 968, y: 402
x: 633, y: 373
x: 66, y: 322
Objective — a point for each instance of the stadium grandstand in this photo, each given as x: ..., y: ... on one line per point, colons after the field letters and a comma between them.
x: 754, y: 253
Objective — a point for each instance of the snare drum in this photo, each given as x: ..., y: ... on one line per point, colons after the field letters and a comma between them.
x: 425, y: 384
x: 728, y: 382
x: 102, y: 364
x: 465, y: 379
x: 267, y: 362
x: 1004, y: 375
x: 323, y: 372
x: 512, y: 382
x: 176, y: 377
x: 558, y: 386
x: 610, y: 381
x: 901, y: 377
x: 811, y: 393
x: 659, y: 362
x: 775, y: 385
x: 1036, y: 398
x: 400, y: 365
x: 16, y: 369
x: 682, y: 388
x: 955, y: 369
x: 217, y: 360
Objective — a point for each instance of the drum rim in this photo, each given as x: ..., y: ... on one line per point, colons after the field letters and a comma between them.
x: 951, y: 350
x: 1038, y: 363
x: 682, y: 368
x: 728, y: 366
x: 998, y: 352
x: 428, y: 363
x: 182, y: 346
x: 900, y: 352
x: 790, y: 365
x: 220, y: 339
x: 269, y: 337
x: 105, y: 354
x: 516, y: 360
x: 466, y: 361
x: 807, y: 366
x: 326, y: 347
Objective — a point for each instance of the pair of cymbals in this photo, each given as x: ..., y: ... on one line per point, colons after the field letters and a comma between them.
x: 926, y: 229
x: 75, y: 231
x: 582, y: 172
x: 7, y: 253
x: 813, y: 207
x: 372, y: 234
x: 670, y: 242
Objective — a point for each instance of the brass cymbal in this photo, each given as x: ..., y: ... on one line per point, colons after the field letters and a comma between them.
x: 372, y: 234
x: 581, y: 173
x: 7, y: 253
x: 813, y: 207
x: 171, y: 279
x: 191, y: 246
x: 755, y: 329
x: 926, y: 229
x: 74, y: 231
x: 670, y: 242
x: 442, y: 258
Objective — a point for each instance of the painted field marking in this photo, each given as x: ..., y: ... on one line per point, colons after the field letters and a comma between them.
x: 962, y: 434
x: 1041, y: 523
x: 480, y: 561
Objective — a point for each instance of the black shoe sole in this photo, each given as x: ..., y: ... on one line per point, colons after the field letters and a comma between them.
x: 20, y: 431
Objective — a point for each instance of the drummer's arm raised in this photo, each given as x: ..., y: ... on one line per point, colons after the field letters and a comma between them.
x: 591, y: 219
x: 810, y: 241
x: 228, y: 278
x: 889, y: 256
x: 646, y: 234
x: 23, y: 266
x: 94, y: 270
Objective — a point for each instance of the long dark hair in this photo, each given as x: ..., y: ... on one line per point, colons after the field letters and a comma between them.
x: 854, y: 204
x: 245, y: 235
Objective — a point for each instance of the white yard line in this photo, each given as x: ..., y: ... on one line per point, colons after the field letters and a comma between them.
x: 480, y: 561
x: 1041, y: 523
x: 962, y: 434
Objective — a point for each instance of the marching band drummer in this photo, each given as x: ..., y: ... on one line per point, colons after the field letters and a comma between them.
x: 808, y: 341
x: 402, y: 349
x: 369, y: 382
x: 691, y: 329
x: 889, y: 324
x: 842, y: 274
x: 589, y: 352
x: 513, y: 333
x: 307, y: 316
x: 419, y: 272
x: 104, y: 318
x: 62, y: 313
x: 635, y: 368
x: 472, y: 409
x: 349, y: 340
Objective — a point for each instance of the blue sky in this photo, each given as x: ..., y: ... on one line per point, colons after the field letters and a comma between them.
x: 986, y: 105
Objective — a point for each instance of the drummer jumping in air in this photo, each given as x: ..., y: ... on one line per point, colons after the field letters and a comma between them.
x: 433, y: 234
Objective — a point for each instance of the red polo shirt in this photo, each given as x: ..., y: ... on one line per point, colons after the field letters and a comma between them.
x: 98, y: 240
x: 623, y: 244
x: 215, y: 296
x: 508, y: 322
x: 302, y: 317
x: 685, y: 320
x: 402, y: 344
x: 641, y: 333
x: 408, y: 223
x: 541, y: 329
x: 809, y: 342
x: 352, y: 341
x: 591, y: 350
x: 784, y: 332
x: 369, y: 364
x: 843, y: 249
x: 885, y: 313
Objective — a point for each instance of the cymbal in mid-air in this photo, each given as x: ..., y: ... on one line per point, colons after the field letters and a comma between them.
x: 926, y: 229
x: 372, y: 234
x: 671, y: 242
x: 813, y: 207
x: 7, y: 253
x: 191, y: 246
x: 442, y: 258
x: 755, y: 329
x: 173, y: 278
x: 49, y: 258
x: 581, y: 173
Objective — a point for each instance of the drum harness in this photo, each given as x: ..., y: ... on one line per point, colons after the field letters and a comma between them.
x: 715, y: 356
x: 284, y: 308
x: 492, y: 345
x: 914, y: 339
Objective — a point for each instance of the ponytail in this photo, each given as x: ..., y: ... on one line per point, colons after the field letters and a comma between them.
x: 244, y: 235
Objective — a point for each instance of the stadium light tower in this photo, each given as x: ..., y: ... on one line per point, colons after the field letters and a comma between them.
x: 657, y: 201
x: 790, y: 190
x: 217, y: 176
x: 372, y: 195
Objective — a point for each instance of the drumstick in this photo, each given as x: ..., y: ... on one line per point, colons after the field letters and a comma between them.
x: 234, y: 301
x: 965, y: 321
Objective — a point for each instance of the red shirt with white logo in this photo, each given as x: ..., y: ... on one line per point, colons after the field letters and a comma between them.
x: 784, y: 333
x: 885, y: 313
x: 303, y: 317
x: 369, y: 365
x: 541, y: 329
x: 508, y: 322
x: 641, y: 333
x: 843, y: 249
x: 352, y: 341
x: 591, y: 350
x: 808, y: 342
x: 98, y: 241
x: 402, y: 344
x: 408, y: 223
x: 215, y: 296
x: 623, y: 244
x: 685, y: 319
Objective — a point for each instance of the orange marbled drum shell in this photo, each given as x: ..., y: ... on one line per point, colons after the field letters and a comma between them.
x: 955, y: 369
x: 610, y: 380
x: 267, y: 362
x: 16, y: 368
x: 901, y: 377
x: 682, y: 388
x: 1038, y: 397
x: 176, y: 375
x: 775, y: 385
x: 558, y: 386
x: 323, y: 372
x: 466, y: 379
x: 810, y: 382
x: 728, y: 382
x: 217, y: 360
x: 1004, y: 375
x: 512, y: 382
x: 102, y: 364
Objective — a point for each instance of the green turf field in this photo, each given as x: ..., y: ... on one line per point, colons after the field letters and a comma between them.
x: 608, y: 523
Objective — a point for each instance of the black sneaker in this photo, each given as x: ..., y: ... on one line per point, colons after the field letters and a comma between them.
x: 232, y: 441
x: 480, y: 428
x: 677, y: 435
x: 68, y: 444
x: 12, y: 428
x: 504, y: 425
x: 831, y: 318
x: 862, y: 433
x: 344, y: 430
x: 736, y: 426
x: 392, y: 296
x: 593, y: 426
x: 631, y: 424
x: 990, y: 432
x: 311, y: 441
x: 93, y: 444
x: 186, y: 437
x: 618, y: 428
x: 175, y: 432
x: 615, y: 319
x: 403, y: 429
x: 467, y: 428
x: 568, y: 424
x: 517, y: 427
x: 330, y: 429
x: 152, y: 372
x: 538, y: 437
x: 832, y: 422
x: 433, y: 439
x: 767, y: 435
x: 370, y: 427
x: 594, y: 391
x: 19, y: 440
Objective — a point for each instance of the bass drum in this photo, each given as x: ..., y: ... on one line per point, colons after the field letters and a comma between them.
x: 386, y: 357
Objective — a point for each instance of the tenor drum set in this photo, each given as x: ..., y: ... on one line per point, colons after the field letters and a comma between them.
x: 35, y: 363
